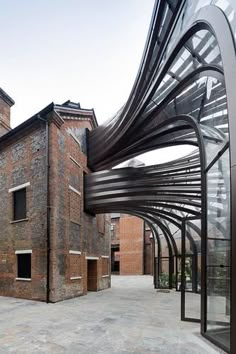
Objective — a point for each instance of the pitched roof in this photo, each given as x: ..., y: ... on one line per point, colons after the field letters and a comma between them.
x: 6, y: 97
x: 72, y: 110
x: 68, y: 110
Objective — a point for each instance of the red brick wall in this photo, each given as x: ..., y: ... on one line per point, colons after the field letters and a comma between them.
x: 71, y: 227
x: 4, y: 117
x: 23, y: 160
x: 131, y: 245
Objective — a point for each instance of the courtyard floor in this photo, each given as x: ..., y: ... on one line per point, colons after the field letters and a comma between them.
x: 131, y: 317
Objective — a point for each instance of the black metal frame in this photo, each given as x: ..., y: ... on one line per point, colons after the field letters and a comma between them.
x: 165, y: 195
x: 184, y: 255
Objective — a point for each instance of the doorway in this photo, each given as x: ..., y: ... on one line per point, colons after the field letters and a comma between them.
x: 92, y: 281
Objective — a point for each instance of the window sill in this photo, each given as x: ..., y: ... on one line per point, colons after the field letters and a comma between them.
x: 20, y: 220
x: 24, y: 279
x: 75, y: 278
x: 105, y: 276
x: 75, y: 222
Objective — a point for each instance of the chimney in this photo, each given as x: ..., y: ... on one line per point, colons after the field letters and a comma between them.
x: 5, y: 111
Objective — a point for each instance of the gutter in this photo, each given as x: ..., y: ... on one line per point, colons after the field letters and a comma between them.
x: 18, y: 130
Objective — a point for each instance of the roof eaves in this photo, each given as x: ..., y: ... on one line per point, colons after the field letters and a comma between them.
x: 27, y: 123
x: 81, y: 111
x: 6, y: 97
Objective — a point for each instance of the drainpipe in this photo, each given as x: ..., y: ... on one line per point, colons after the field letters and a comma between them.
x: 48, y: 213
x: 144, y: 256
x: 48, y: 210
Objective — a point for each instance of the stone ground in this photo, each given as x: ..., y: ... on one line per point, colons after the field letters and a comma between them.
x: 131, y: 317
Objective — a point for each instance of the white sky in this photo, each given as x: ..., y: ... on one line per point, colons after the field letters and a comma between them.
x: 162, y: 155
x: 87, y: 51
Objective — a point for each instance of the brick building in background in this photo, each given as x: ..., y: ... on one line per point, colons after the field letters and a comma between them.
x: 131, y: 245
x: 50, y: 248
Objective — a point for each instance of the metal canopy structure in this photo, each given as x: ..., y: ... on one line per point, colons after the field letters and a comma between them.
x: 184, y: 93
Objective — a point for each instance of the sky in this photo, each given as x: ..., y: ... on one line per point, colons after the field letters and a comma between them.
x: 87, y: 51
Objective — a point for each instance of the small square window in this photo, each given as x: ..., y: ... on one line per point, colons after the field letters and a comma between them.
x: 24, y: 265
x: 19, y: 204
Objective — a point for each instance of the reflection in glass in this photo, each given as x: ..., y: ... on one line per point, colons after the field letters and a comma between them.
x: 218, y: 251
x: 192, y: 269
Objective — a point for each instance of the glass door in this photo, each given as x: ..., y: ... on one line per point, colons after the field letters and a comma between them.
x: 190, y: 271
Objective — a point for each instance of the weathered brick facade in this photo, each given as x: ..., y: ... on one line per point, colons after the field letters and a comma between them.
x: 47, y: 155
x: 5, y: 106
x: 24, y: 161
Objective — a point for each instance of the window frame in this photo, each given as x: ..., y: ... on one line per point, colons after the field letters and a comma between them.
x: 13, y: 191
x: 20, y: 253
x: 17, y: 202
x: 78, y: 254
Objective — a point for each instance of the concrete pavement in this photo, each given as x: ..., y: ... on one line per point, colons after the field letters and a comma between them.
x: 131, y: 317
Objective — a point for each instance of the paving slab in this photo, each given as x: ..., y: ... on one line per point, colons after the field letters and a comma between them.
x: 129, y: 318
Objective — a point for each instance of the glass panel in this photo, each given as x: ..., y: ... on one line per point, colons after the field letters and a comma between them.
x: 164, y: 273
x: 192, y: 305
x: 213, y: 116
x: 192, y: 270
x: 192, y: 297
x: 178, y: 273
x: 193, y: 232
x: 189, y: 264
x: 218, y: 251
x: 200, y: 49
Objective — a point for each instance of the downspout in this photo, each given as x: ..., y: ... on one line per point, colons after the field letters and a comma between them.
x: 48, y: 214
x: 144, y: 255
x: 48, y: 245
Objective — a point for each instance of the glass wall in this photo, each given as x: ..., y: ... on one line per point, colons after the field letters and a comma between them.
x: 165, y: 273
x: 218, y: 252
x: 191, y: 270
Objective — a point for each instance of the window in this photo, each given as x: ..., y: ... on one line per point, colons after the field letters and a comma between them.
x: 101, y: 223
x: 75, y: 265
x: 105, y: 265
x: 24, y: 265
x: 74, y: 205
x: 19, y: 204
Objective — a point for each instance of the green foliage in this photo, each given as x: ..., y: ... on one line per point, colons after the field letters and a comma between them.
x: 188, y: 269
x: 164, y: 280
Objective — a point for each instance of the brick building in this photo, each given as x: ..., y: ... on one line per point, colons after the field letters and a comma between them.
x: 131, y: 245
x: 50, y: 248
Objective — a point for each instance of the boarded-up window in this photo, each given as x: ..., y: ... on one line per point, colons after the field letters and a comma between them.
x: 105, y: 266
x: 75, y: 237
x: 74, y: 206
x: 75, y: 265
x: 101, y: 223
x: 74, y: 148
